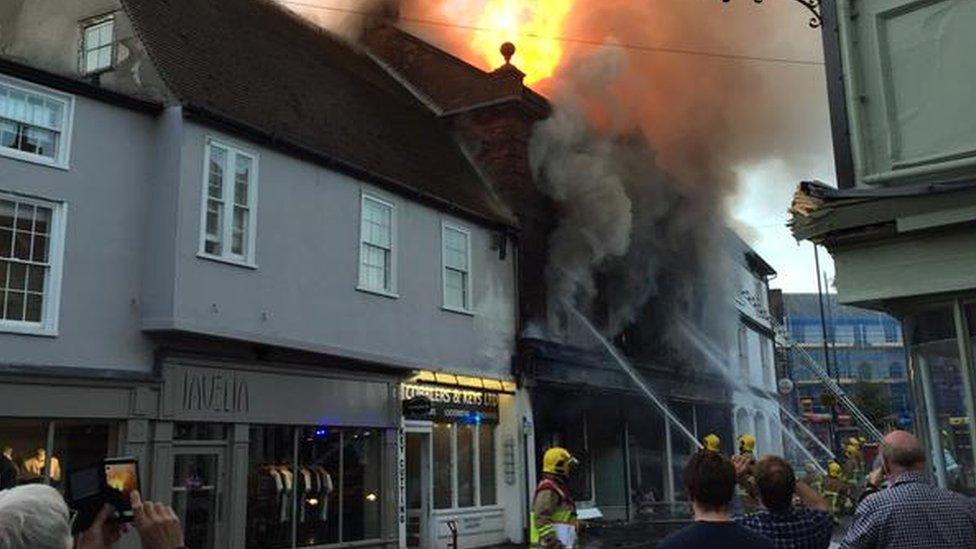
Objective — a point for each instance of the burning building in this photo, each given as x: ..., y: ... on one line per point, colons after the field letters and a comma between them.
x: 586, y: 201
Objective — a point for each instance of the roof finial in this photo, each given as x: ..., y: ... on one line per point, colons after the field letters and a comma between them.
x: 508, y: 50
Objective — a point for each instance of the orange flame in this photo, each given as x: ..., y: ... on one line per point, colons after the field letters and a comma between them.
x: 530, y: 24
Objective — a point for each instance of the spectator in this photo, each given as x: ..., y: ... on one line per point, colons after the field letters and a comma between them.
x: 709, y: 479
x: 35, y: 516
x: 808, y: 527
x: 912, y: 511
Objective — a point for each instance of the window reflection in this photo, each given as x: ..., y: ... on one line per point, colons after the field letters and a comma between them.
x: 270, y: 487
x: 486, y: 450
x: 318, y: 496
x: 26, y: 457
x: 442, y: 465
x: 465, y: 465
x: 935, y: 347
x: 362, y: 473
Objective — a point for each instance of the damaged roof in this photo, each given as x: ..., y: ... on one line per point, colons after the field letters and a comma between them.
x: 446, y: 83
x: 255, y: 65
x: 819, y: 209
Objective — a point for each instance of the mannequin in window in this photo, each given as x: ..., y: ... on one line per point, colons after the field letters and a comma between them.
x: 35, y: 465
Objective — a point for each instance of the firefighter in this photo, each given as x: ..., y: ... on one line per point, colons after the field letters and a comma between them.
x: 553, y: 521
x: 837, y: 491
x: 854, y: 461
x: 712, y: 443
x: 748, y: 494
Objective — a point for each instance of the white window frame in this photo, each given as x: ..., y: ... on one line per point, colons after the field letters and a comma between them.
x: 64, y: 147
x: 226, y: 256
x: 476, y: 469
x: 86, y: 25
x: 467, y: 309
x: 391, y: 291
x: 50, y: 313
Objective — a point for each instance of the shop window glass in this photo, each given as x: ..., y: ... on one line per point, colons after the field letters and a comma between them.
x: 79, y: 444
x: 443, y: 465
x: 28, y: 458
x: 319, y: 451
x: 362, y: 474
x: 196, y: 482
x: 465, y: 465
x: 486, y: 451
x: 681, y: 447
x: 934, y: 345
x: 574, y: 436
x: 270, y: 487
x: 647, y: 461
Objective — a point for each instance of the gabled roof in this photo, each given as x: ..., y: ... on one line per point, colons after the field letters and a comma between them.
x: 744, y: 252
x: 256, y: 65
x: 448, y: 84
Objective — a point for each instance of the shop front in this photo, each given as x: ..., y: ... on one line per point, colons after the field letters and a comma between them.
x: 53, y: 424
x: 275, y: 457
x: 462, y: 465
x: 631, y: 459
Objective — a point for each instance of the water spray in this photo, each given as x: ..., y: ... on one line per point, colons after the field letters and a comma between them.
x: 717, y: 362
x: 629, y: 369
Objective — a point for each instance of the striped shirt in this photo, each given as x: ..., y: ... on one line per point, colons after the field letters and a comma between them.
x: 913, y: 513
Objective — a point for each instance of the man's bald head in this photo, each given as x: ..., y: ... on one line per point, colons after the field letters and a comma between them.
x: 902, y: 451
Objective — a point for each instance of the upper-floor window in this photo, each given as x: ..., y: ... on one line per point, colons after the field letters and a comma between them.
x: 377, y: 263
x: 743, y: 344
x: 456, y: 257
x: 765, y: 352
x: 230, y: 191
x: 35, y: 124
x: 97, y: 44
x: 31, y: 237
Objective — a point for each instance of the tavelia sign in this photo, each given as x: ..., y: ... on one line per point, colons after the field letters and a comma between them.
x: 448, y: 404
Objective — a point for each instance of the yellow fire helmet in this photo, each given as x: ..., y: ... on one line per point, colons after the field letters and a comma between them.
x: 747, y: 443
x: 853, y: 441
x: 712, y: 443
x: 852, y: 450
x: 834, y: 469
x: 558, y: 461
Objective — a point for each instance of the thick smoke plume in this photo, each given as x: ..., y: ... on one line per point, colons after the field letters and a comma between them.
x: 647, y: 137
x: 628, y: 230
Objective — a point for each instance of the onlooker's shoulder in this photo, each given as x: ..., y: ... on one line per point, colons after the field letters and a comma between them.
x: 754, y: 540
x: 751, y: 519
x: 814, y: 515
x: 676, y: 539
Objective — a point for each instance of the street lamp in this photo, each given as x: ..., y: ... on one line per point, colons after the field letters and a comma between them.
x: 814, y: 6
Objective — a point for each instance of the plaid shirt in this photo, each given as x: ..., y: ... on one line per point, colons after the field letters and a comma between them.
x: 913, y: 513
x: 795, y: 529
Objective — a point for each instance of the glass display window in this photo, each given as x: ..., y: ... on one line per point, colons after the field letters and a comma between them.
x: 362, y: 478
x: 311, y: 486
x: 319, y: 455
x: 270, y: 487
x: 43, y: 451
x: 947, y: 396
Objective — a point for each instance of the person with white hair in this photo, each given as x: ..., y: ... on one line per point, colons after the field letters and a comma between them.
x: 35, y: 516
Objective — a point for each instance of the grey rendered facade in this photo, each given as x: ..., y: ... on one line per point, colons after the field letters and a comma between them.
x: 204, y: 368
x: 900, y: 228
